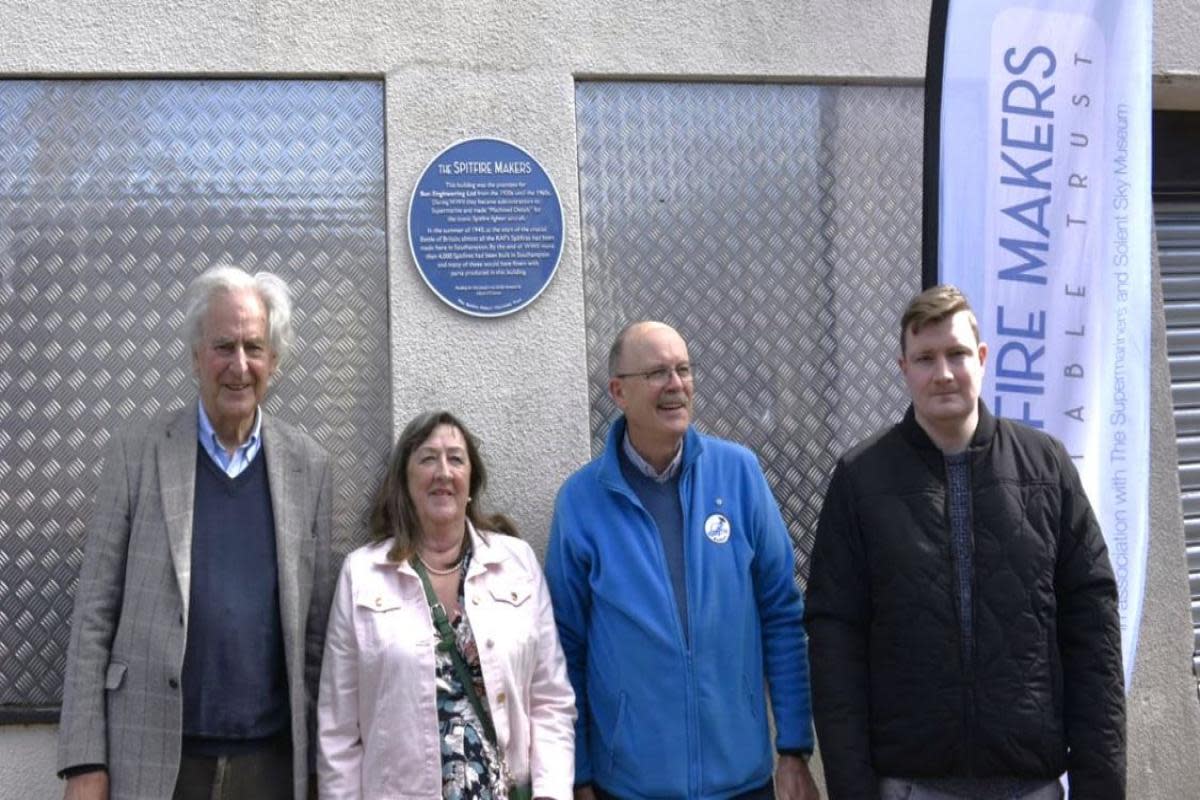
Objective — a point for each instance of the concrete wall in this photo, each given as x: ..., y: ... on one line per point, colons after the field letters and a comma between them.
x: 472, y: 67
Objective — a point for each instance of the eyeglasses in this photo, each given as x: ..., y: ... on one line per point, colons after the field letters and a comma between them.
x: 661, y: 376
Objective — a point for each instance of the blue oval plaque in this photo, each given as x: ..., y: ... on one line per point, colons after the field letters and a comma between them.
x: 485, y: 225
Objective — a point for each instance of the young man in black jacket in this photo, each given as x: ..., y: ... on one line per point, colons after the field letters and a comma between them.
x: 961, y: 608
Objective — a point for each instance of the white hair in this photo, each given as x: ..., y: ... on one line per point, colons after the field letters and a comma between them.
x: 272, y: 290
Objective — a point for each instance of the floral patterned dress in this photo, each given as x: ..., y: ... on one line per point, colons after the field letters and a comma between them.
x: 471, y: 767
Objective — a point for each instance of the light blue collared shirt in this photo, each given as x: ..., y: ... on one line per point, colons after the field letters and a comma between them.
x: 643, y: 466
x: 231, y: 465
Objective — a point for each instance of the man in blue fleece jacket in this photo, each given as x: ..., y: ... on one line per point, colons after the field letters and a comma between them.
x: 671, y: 573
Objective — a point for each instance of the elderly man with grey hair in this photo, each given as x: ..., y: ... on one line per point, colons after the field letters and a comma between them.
x: 200, y: 613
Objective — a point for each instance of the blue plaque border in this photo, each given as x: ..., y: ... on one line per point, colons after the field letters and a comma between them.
x: 422, y: 265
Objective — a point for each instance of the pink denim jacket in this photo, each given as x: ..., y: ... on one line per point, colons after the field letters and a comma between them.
x: 377, y: 714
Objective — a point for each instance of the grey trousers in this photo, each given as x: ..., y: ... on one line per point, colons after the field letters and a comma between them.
x: 265, y: 774
x: 901, y: 789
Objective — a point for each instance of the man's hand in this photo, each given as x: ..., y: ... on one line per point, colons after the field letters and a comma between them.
x: 585, y: 793
x: 88, y: 786
x: 793, y: 781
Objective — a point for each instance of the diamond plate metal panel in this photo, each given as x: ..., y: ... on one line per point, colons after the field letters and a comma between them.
x: 778, y: 228
x: 113, y: 196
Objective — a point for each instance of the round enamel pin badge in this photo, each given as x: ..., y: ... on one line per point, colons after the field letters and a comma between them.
x: 717, y: 528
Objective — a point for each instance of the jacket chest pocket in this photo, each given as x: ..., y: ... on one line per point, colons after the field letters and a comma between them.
x: 389, y: 626
x: 511, y: 594
x: 502, y: 615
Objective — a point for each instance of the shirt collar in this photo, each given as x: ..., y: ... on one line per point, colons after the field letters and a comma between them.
x: 208, y: 434
x: 643, y: 466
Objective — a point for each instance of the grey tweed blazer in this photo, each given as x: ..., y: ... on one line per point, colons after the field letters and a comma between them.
x: 122, y: 696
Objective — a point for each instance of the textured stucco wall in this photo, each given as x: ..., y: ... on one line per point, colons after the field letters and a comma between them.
x: 476, y: 67
x: 27, y: 762
x: 1177, y: 54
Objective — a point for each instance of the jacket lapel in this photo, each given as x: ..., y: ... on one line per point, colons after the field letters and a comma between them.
x: 177, y: 483
x: 285, y: 474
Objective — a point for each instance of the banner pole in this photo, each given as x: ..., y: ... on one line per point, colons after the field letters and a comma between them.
x: 931, y: 172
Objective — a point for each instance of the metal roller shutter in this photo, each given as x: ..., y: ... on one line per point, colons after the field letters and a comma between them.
x: 1178, y: 227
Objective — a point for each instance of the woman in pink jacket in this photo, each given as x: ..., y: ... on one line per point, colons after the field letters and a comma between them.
x: 443, y: 676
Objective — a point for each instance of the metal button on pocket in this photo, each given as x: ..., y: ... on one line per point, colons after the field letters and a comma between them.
x: 501, y: 697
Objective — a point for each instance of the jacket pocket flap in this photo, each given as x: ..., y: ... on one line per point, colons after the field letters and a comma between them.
x: 378, y: 601
x: 514, y: 594
x: 114, y: 676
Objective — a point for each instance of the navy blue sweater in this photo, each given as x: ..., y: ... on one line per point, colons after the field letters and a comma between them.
x: 234, y: 674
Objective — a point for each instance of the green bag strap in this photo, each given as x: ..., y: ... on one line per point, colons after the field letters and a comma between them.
x: 447, y: 643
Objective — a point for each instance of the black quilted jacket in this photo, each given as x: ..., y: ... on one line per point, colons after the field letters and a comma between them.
x: 892, y: 695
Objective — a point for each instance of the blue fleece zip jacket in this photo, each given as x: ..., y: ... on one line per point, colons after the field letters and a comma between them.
x: 659, y: 717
